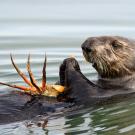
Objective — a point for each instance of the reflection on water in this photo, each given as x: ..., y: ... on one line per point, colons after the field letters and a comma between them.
x: 107, y: 120
x: 58, y: 28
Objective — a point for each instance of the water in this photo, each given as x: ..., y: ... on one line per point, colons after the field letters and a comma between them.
x: 58, y: 28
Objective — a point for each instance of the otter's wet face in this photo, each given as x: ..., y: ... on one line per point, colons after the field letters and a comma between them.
x: 112, y: 57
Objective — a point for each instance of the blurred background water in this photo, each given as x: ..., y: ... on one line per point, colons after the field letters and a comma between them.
x: 58, y: 28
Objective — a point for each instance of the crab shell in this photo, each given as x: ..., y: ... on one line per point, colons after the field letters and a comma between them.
x: 53, y: 90
x: 33, y: 88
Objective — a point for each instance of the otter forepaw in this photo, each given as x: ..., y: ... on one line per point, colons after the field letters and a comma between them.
x: 71, y: 63
x: 68, y: 64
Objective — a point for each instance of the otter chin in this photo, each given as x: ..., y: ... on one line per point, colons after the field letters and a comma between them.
x: 111, y: 56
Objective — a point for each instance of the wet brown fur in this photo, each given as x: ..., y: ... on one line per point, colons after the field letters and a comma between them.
x: 112, y: 56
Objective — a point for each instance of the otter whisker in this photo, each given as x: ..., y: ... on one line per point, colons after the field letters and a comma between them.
x: 99, y: 64
x: 103, y: 66
x: 104, y: 63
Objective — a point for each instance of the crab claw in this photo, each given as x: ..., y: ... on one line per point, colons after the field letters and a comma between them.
x: 26, y: 89
x: 33, y: 88
x: 33, y: 81
x: 20, y: 73
x: 44, y: 75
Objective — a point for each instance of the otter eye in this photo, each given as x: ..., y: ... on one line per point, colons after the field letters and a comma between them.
x: 116, y: 45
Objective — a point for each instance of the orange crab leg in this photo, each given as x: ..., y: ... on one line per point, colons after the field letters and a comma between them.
x: 33, y: 81
x: 20, y: 73
x: 44, y: 75
x: 19, y: 87
x: 29, y: 70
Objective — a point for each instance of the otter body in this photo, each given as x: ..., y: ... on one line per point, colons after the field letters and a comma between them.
x: 18, y: 106
x: 114, y: 59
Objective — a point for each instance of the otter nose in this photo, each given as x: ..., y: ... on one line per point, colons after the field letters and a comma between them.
x: 87, y: 48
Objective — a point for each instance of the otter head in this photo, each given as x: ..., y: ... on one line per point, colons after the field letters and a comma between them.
x: 111, y: 56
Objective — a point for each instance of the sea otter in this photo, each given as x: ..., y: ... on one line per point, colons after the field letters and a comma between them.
x: 114, y: 59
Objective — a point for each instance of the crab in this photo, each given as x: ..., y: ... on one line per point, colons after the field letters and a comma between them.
x: 33, y: 88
